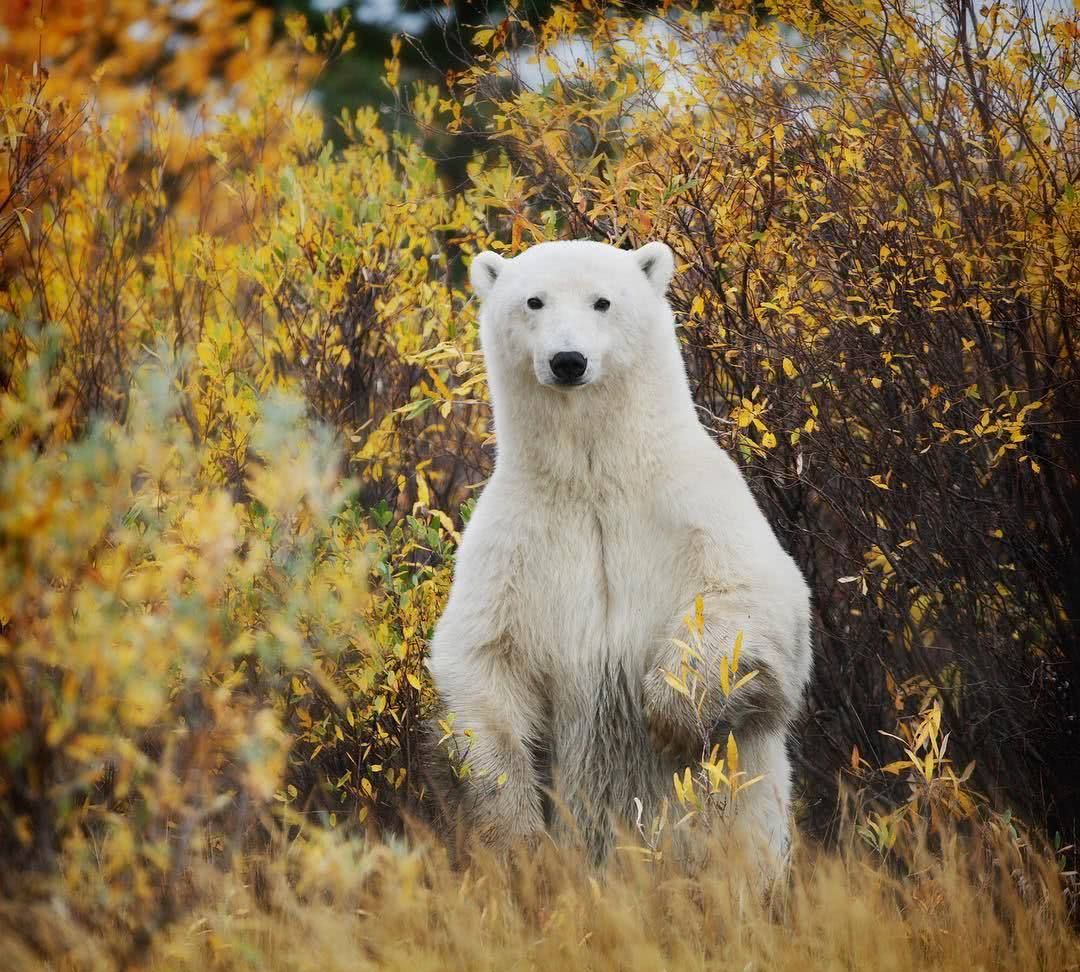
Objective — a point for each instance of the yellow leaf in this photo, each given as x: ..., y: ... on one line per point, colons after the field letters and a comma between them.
x: 789, y: 368
x: 742, y: 681
x: 553, y: 142
x: 295, y: 24
x: 684, y: 787
x: 423, y: 496
x: 440, y: 385
x: 447, y: 523
x: 676, y: 684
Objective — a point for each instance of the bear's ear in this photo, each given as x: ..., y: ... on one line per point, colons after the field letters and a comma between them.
x: 657, y: 262
x: 484, y: 271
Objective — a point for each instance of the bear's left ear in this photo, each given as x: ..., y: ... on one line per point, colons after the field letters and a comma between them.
x: 657, y: 262
x: 484, y: 271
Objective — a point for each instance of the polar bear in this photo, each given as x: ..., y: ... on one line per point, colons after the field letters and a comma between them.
x: 609, y: 513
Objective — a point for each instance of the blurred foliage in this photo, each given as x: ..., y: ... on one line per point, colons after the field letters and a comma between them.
x: 243, y: 412
x: 221, y: 535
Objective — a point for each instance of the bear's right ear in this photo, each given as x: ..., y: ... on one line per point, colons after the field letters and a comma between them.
x: 484, y: 271
x: 657, y: 263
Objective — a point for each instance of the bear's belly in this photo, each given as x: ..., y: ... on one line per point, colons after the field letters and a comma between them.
x: 596, y: 596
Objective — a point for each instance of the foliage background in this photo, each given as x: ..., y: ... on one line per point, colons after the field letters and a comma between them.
x: 243, y: 411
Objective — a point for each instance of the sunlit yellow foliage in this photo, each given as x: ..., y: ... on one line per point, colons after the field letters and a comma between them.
x: 213, y: 612
x: 877, y: 230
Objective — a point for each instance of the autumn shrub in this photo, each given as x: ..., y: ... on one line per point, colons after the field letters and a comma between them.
x: 876, y: 223
x: 213, y: 620
x: 149, y: 622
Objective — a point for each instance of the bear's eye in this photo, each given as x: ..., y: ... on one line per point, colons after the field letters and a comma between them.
x: 535, y: 303
x: 602, y: 304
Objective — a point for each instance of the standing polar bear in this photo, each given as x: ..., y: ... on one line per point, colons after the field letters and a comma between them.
x: 610, y: 511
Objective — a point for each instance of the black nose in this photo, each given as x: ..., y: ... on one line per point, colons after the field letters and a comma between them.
x: 568, y: 366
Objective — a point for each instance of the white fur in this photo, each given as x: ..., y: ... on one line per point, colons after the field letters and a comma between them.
x: 609, y: 511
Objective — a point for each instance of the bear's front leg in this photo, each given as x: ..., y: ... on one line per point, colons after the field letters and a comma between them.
x: 496, y: 717
x: 687, y: 727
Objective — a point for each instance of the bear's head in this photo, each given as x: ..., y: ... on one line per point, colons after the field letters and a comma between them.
x: 575, y: 313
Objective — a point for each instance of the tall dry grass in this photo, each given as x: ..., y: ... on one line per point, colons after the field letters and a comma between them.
x: 316, y: 903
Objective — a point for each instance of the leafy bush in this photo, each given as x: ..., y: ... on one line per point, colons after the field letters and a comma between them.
x: 212, y: 622
x: 874, y: 210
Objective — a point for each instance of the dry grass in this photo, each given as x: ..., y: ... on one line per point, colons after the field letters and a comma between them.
x: 324, y: 904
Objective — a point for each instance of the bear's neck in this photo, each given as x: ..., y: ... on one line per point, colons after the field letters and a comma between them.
x: 623, y: 429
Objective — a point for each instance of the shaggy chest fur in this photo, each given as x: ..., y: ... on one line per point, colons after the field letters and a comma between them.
x: 602, y: 574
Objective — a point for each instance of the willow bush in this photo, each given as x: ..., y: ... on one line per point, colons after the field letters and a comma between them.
x: 192, y: 517
x: 874, y: 211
